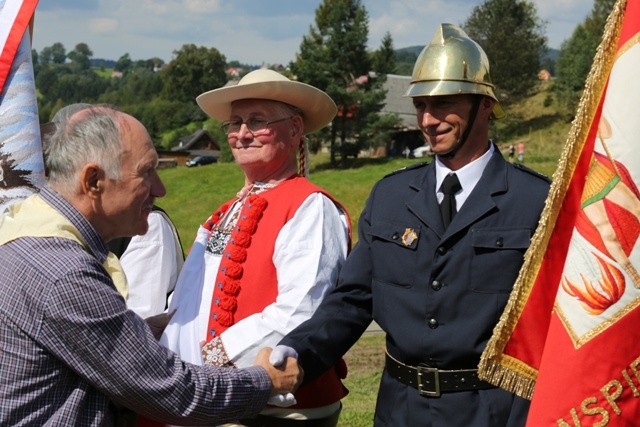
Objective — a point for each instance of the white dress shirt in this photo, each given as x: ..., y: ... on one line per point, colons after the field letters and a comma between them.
x: 469, y: 175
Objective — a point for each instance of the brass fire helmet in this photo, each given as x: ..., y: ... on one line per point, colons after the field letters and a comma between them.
x: 453, y: 64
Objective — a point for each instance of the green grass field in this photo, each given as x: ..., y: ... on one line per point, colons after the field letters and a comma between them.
x: 365, y: 361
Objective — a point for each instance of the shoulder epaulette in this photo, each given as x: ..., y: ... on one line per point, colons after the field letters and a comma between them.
x: 407, y: 168
x: 530, y: 171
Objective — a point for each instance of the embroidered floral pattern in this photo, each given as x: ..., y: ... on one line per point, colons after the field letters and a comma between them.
x: 214, y: 353
x: 224, y: 302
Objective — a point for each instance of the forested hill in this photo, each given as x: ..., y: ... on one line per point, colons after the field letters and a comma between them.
x: 406, y: 57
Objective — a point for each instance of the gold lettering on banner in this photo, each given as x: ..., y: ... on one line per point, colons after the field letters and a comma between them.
x: 634, y: 368
x: 611, y: 398
x: 595, y: 410
x: 611, y: 393
x: 632, y: 386
x: 574, y: 417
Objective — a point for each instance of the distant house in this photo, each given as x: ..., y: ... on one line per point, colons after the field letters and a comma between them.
x: 234, y: 72
x: 199, y: 143
x: 408, y: 134
x: 544, y: 75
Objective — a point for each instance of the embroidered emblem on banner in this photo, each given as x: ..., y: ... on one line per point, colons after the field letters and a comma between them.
x: 409, y: 237
x: 600, y: 282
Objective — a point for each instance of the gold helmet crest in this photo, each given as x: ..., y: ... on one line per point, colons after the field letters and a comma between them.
x: 453, y: 64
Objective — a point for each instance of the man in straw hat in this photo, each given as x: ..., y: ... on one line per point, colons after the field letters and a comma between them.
x: 439, y: 249
x: 264, y: 260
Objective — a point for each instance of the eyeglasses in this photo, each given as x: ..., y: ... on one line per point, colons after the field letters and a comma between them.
x: 255, y: 126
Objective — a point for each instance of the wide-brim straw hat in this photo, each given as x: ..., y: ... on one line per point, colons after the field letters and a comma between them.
x: 317, y: 107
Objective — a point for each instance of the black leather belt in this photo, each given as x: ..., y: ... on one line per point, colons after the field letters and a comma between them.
x: 432, y: 382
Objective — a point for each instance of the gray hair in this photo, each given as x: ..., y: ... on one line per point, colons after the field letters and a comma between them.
x: 285, y: 108
x: 83, y: 134
x: 303, y: 149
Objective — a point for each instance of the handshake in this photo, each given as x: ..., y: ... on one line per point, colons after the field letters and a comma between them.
x: 285, y: 373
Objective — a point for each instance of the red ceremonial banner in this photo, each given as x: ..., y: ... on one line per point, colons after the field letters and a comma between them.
x: 569, y: 339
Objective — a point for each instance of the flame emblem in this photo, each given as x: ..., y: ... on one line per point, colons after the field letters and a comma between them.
x: 596, y: 298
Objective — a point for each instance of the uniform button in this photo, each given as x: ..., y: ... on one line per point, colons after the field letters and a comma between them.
x: 433, y: 323
x: 442, y: 250
x: 436, y: 286
x: 500, y: 242
x: 395, y: 236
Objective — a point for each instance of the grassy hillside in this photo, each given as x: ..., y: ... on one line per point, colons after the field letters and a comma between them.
x: 541, y: 124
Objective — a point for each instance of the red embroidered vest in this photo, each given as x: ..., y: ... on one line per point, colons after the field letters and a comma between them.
x: 247, y: 282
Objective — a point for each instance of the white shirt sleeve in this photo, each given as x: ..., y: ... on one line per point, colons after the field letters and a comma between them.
x: 182, y: 334
x: 309, y: 252
x: 150, y: 264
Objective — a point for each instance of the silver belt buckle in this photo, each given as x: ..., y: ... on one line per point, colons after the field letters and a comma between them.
x: 424, y: 372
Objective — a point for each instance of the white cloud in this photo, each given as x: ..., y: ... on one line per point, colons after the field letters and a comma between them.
x: 412, y: 22
x: 202, y: 6
x: 103, y: 25
x: 548, y: 8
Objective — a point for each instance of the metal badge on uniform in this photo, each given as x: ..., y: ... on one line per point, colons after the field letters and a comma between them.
x: 409, y: 237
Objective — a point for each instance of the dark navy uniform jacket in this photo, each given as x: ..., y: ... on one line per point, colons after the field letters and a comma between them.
x: 437, y: 294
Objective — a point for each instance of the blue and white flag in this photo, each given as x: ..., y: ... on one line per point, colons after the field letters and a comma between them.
x: 21, y: 161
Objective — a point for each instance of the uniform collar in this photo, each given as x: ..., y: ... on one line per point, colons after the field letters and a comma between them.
x: 469, y: 174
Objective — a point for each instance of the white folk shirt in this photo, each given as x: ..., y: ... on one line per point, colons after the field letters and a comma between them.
x: 151, y: 263
x: 309, y: 252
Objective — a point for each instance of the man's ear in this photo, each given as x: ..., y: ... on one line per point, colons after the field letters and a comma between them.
x: 92, y: 179
x: 488, y: 102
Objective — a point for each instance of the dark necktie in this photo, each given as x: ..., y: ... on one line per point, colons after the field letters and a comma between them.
x: 450, y: 186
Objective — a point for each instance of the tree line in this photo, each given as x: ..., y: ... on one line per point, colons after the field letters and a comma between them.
x: 333, y: 56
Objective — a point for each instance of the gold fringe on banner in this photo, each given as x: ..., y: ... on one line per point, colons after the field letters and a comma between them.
x: 496, y: 367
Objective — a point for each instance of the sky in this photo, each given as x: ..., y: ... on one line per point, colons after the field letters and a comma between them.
x: 254, y: 32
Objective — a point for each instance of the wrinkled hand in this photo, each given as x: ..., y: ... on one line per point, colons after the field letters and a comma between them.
x: 158, y: 322
x: 285, y: 378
